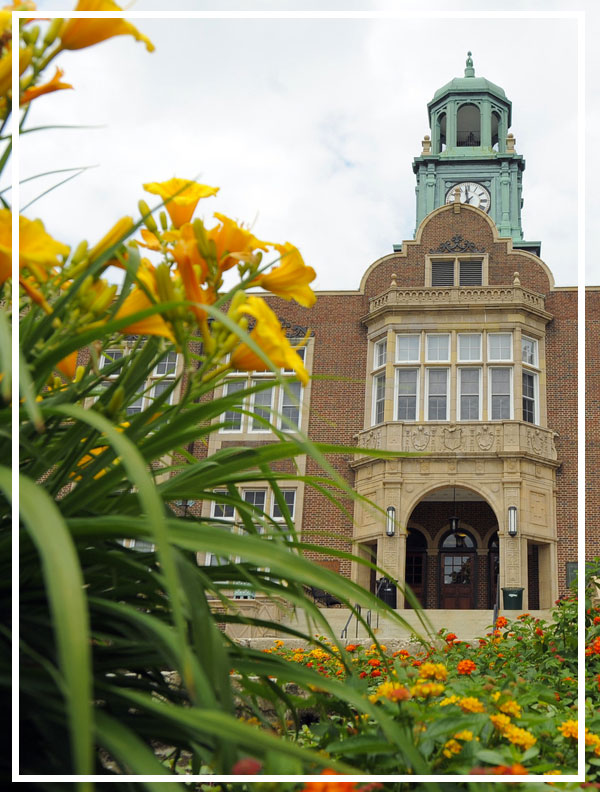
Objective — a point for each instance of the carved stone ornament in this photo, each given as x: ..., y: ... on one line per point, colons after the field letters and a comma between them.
x: 421, y: 437
x: 537, y: 441
x: 452, y: 438
x: 457, y: 245
x: 371, y: 440
x: 485, y: 438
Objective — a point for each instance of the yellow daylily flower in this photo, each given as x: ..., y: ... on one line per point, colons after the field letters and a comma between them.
x: 85, y: 32
x: 68, y: 365
x: 180, y: 207
x: 25, y: 55
x: 38, y: 251
x: 269, y: 336
x: 233, y: 242
x: 54, y: 84
x: 151, y: 325
x: 291, y: 278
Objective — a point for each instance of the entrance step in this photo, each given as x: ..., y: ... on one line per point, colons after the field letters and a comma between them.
x: 466, y: 624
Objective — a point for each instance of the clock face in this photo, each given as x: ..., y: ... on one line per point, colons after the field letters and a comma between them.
x: 471, y: 193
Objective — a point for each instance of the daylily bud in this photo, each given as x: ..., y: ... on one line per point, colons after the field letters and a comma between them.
x: 30, y: 36
x: 239, y: 298
x: 117, y: 235
x: 79, y: 372
x: 80, y: 252
x: 148, y: 220
x: 53, y: 31
x: 233, y: 339
x: 103, y: 300
x: 164, y: 284
x: 116, y: 401
x: 163, y: 220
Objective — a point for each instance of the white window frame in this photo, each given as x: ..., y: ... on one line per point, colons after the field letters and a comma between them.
x: 301, y: 352
x: 511, y: 393
x: 536, y: 397
x: 436, y: 360
x: 283, y: 425
x: 408, y: 361
x: 229, y: 429
x: 378, y: 346
x: 489, y: 348
x: 376, y: 379
x: 291, y: 510
x: 469, y: 360
x: 536, y: 357
x: 459, y: 394
x: 397, y: 393
x: 257, y: 427
x: 437, y: 368
x: 225, y: 520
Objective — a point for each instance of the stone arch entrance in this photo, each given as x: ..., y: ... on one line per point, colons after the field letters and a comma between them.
x: 456, y: 531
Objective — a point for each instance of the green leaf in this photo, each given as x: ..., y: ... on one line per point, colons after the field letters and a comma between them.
x: 64, y: 586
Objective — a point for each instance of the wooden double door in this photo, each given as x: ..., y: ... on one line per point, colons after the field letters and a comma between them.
x: 457, y: 583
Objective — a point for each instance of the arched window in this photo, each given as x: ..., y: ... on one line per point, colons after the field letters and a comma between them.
x: 460, y: 540
x: 441, y: 133
x: 495, y: 129
x: 468, y: 125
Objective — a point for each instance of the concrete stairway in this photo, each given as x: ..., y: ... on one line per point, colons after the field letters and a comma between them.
x: 466, y: 624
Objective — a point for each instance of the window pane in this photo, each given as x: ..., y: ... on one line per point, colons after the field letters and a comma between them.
x: 109, y: 357
x: 407, y: 348
x: 160, y: 387
x: 469, y: 346
x: 407, y: 394
x: 290, y: 406
x: 256, y: 498
x: 500, y: 393
x: 500, y: 346
x: 529, y: 351
x: 167, y: 365
x: 232, y: 417
x: 437, y: 398
x: 289, y: 497
x: 529, y: 397
x: 262, y: 405
x: 442, y: 273
x: 438, y: 347
x: 135, y: 406
x: 222, y: 510
x: 379, y: 398
x: 380, y: 353
x: 469, y: 394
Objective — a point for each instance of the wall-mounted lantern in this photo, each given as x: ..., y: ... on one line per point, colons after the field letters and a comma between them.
x: 390, y: 523
x: 512, y: 520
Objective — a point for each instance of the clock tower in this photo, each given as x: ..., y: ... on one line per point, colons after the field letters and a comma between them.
x: 470, y: 155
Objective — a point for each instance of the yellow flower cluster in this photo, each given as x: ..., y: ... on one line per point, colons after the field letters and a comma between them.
x: 451, y: 747
x: 514, y: 734
x: 427, y: 689
x: 592, y: 741
x: 433, y: 671
x: 392, y: 691
x: 471, y: 704
x: 569, y: 729
x: 453, y: 699
x: 511, y: 707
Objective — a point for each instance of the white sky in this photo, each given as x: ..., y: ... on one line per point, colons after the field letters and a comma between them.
x: 309, y: 126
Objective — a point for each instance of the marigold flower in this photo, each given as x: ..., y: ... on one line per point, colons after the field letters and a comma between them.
x: 466, y: 667
x: 81, y: 32
x: 269, y: 336
x: 427, y: 689
x: 374, y: 662
x: 450, y: 637
x: 449, y: 700
x: 471, y: 704
x: 569, y: 728
x: 291, y: 278
x: 351, y: 647
x: 181, y: 197
x: 465, y: 735
x: 54, y: 84
x: 501, y: 621
x: 376, y: 672
x: 392, y: 691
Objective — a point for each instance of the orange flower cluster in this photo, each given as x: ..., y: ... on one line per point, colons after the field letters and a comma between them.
x: 466, y: 667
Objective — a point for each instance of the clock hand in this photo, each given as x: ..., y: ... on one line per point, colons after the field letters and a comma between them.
x: 467, y: 197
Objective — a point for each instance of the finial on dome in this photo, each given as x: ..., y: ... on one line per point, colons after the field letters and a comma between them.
x: 469, y: 70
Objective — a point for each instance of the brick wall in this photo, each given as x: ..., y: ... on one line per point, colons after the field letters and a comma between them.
x: 592, y: 424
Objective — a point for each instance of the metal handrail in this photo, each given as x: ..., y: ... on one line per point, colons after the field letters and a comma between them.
x: 357, y: 610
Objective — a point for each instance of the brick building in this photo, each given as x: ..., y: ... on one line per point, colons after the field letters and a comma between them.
x: 458, y: 352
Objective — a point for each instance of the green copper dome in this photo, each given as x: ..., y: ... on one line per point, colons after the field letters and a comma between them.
x: 469, y: 84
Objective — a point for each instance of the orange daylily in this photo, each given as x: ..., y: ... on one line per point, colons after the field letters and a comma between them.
x: 54, y: 84
x: 269, y: 336
x: 180, y: 206
x: 78, y: 33
x: 38, y: 251
x: 291, y: 278
x: 68, y: 365
x: 151, y: 241
x: 233, y: 242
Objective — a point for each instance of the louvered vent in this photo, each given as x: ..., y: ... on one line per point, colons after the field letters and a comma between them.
x: 470, y: 273
x: 442, y: 273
